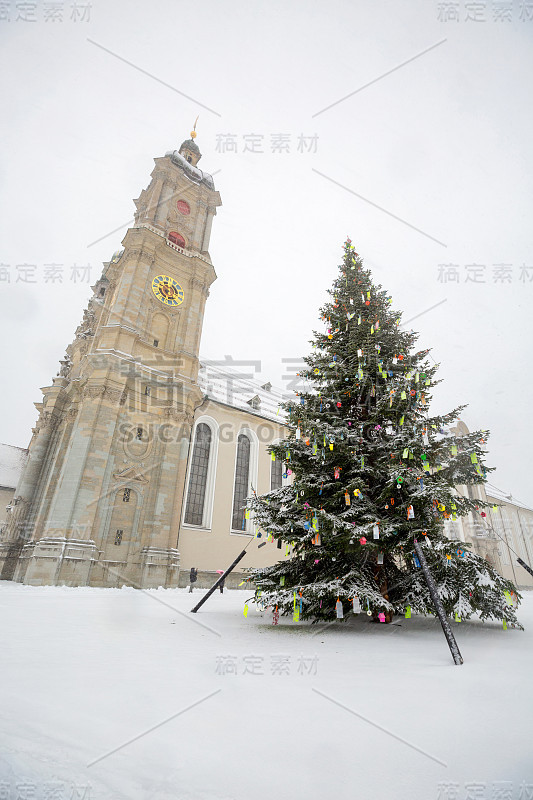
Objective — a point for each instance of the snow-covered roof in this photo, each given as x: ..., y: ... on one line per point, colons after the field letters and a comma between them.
x: 12, y: 461
x: 500, y: 497
x: 194, y: 173
x: 224, y: 385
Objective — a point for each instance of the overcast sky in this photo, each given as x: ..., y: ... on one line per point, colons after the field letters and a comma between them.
x: 423, y: 157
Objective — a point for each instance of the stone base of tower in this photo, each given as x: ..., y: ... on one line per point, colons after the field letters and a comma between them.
x: 56, y: 561
x: 9, y: 558
x: 155, y: 567
x: 159, y: 567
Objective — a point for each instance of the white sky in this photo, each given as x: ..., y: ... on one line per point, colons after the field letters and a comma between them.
x: 443, y: 142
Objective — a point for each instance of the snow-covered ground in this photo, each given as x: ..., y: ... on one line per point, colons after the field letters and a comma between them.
x: 234, y: 707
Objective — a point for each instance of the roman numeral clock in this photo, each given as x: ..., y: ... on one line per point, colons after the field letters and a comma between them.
x: 167, y: 290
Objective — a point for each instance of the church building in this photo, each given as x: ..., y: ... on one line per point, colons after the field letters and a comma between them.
x: 142, y: 457
x: 140, y: 461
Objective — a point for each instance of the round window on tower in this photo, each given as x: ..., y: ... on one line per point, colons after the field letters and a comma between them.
x: 176, y: 238
x: 183, y: 207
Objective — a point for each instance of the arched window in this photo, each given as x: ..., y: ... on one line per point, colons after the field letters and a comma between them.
x: 242, y: 477
x: 160, y: 330
x: 176, y: 238
x: 194, y: 510
x: 276, y: 474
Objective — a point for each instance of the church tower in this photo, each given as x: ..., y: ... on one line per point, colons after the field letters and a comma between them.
x: 100, y: 500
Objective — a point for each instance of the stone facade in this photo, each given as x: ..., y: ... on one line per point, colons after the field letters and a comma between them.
x: 505, y: 533
x: 99, y: 502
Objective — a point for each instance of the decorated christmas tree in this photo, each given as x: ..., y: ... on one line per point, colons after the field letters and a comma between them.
x: 372, y: 471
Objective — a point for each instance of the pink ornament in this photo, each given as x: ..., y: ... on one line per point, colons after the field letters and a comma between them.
x: 316, y: 560
x: 381, y: 616
x: 362, y: 540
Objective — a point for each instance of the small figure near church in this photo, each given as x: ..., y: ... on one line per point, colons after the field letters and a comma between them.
x: 193, y: 577
x: 221, y: 587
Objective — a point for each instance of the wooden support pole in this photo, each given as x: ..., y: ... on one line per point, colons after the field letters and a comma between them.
x: 450, y: 638
x: 215, y: 585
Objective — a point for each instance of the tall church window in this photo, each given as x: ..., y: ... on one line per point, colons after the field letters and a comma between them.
x: 242, y: 475
x: 160, y: 328
x: 276, y: 474
x: 194, y: 510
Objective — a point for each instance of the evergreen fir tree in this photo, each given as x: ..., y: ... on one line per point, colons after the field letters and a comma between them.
x: 372, y: 471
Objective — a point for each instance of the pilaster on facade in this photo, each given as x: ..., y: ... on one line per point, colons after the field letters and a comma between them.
x: 159, y: 567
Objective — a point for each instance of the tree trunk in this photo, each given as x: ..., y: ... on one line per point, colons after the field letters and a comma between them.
x: 381, y: 581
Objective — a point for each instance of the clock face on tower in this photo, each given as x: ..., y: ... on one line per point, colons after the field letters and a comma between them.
x: 167, y: 290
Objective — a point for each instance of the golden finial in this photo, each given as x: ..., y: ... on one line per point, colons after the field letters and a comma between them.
x: 193, y: 132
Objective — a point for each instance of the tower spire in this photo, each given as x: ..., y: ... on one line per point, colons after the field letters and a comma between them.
x: 189, y: 149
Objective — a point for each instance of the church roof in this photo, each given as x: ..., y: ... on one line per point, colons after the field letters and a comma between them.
x: 12, y: 461
x: 195, y: 174
x: 224, y: 385
x: 500, y: 497
x: 191, y: 145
